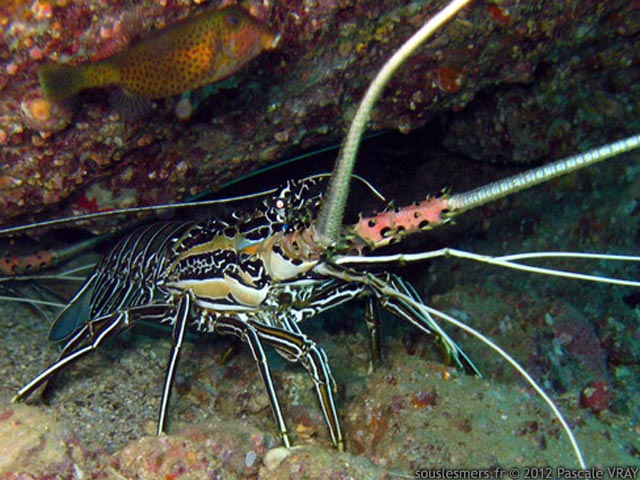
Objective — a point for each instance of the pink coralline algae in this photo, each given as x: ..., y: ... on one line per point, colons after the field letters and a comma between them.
x: 596, y: 396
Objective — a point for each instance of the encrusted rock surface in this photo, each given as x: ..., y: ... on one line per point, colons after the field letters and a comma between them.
x: 550, y: 78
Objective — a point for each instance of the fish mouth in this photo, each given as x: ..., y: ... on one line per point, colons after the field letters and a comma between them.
x: 276, y: 40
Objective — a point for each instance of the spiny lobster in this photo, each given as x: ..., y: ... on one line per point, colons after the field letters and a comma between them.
x: 258, y: 275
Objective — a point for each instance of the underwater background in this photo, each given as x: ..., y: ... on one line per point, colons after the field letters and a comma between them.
x: 505, y: 86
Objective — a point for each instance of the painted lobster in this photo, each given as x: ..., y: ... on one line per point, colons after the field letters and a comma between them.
x: 258, y: 275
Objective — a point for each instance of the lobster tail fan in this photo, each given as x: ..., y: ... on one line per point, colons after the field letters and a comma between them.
x: 75, y: 314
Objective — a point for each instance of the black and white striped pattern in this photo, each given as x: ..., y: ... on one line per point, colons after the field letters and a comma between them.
x: 230, y: 276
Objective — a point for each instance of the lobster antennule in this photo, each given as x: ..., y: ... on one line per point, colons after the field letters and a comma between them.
x: 329, y: 223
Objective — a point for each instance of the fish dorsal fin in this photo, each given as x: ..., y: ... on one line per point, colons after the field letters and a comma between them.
x: 125, y: 32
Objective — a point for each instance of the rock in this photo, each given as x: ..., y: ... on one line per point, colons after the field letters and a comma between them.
x: 522, y: 62
x: 31, y: 441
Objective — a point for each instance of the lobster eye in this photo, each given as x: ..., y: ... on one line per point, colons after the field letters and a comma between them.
x: 280, y: 204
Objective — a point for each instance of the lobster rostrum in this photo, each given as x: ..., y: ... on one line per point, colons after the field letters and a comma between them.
x: 257, y: 275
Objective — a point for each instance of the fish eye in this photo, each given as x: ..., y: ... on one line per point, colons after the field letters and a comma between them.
x: 233, y: 20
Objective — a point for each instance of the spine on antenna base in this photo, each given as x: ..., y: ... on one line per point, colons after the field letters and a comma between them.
x: 390, y: 226
x: 12, y: 265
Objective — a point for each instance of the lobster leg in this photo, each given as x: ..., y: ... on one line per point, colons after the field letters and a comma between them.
x: 89, y: 337
x: 337, y: 293
x: 372, y: 321
x: 157, y: 313
x: 248, y: 333
x: 179, y: 329
x: 293, y: 345
x: 383, y: 288
x: 428, y: 325
x: 70, y: 345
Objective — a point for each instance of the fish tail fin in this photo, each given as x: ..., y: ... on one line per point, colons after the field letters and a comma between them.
x: 60, y: 82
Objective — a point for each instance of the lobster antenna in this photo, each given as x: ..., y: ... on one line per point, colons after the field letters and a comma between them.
x: 461, y: 202
x: 329, y: 221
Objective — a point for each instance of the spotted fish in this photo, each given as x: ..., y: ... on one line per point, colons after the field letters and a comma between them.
x: 200, y: 50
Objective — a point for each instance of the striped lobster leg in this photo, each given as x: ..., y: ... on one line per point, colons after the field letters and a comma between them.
x: 356, y: 284
x: 89, y: 337
x: 94, y: 332
x: 180, y: 322
x: 372, y: 322
x: 295, y: 346
x: 158, y: 313
x: 423, y: 321
x: 249, y: 333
